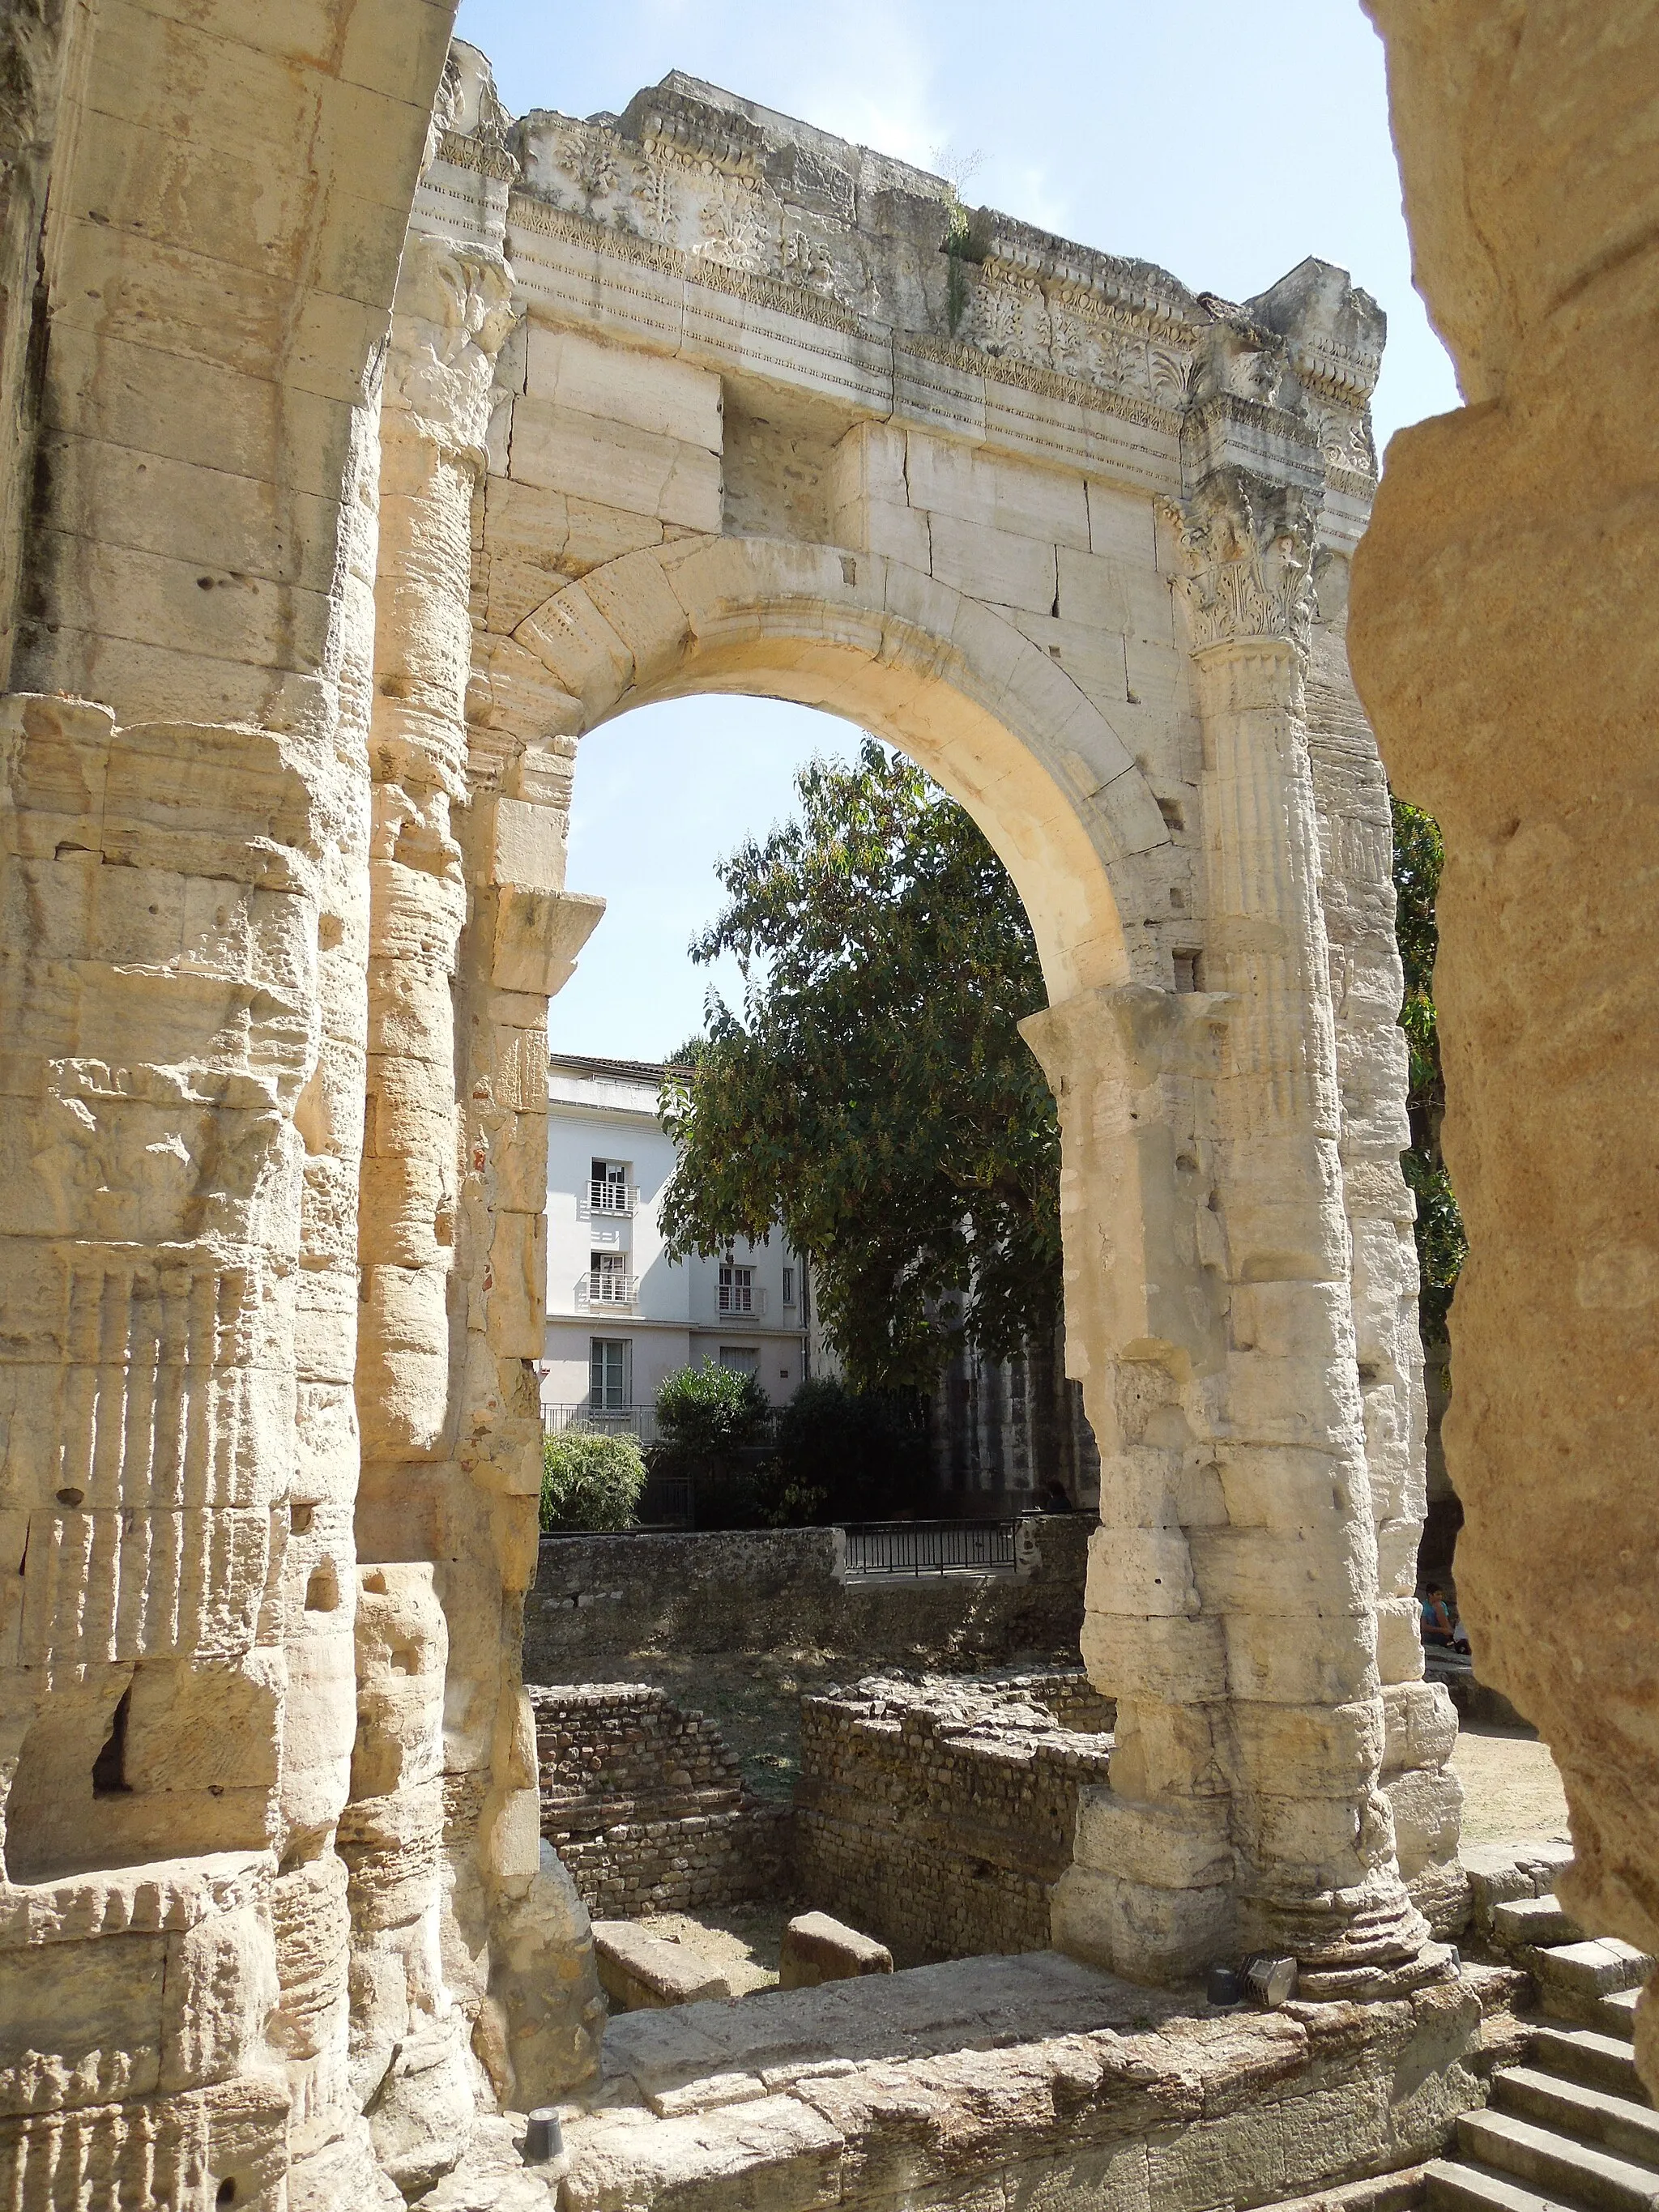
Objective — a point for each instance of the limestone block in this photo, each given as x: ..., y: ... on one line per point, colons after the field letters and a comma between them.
x: 1421, y: 1721
x: 995, y: 494
x: 1170, y: 1845
x: 579, y: 649
x: 80, y: 2024
x: 402, y: 1642
x: 868, y: 465
x: 1323, y: 1569
x: 1144, y: 1933
x: 669, y: 398
x: 1091, y: 592
x: 1093, y: 658
x: 1322, y: 1751
x: 1307, y: 1658
x: 1169, y: 1655
x: 527, y: 849
x: 1141, y: 1572
x: 817, y: 1949
x: 1169, y: 1751
x: 518, y: 1265
x: 561, y: 449
x: 1121, y: 524
x: 1399, y: 1640
x: 874, y: 526
x: 1427, y: 1812
x: 991, y: 565
x: 638, y: 1971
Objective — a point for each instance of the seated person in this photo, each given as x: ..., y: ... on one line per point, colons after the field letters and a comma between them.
x: 1437, y: 1620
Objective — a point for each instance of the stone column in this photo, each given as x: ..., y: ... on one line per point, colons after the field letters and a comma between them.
x: 451, y: 312
x: 1233, y: 1589
x: 468, y: 937
x: 1357, y: 897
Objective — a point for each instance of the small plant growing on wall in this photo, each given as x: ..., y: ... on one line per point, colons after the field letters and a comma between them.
x: 590, y: 1483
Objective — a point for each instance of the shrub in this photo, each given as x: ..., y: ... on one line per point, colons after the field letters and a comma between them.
x: 710, y: 1411
x: 590, y: 1482
x: 710, y: 1422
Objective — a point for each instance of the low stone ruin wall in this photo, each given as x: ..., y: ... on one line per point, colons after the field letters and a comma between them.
x: 746, y: 1589
x: 938, y: 1816
x: 646, y: 1806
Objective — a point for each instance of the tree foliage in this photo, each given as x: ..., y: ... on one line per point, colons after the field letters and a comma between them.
x: 873, y: 1093
x: 1442, y: 1245
x: 590, y: 1481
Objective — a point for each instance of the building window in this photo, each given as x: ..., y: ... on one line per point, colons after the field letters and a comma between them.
x: 789, y: 1286
x: 741, y: 1358
x: 610, y: 1363
x: 608, y: 1283
x: 736, y: 1289
x: 609, y: 1190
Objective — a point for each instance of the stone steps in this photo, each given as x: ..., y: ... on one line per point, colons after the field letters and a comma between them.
x: 1599, y: 2116
x: 1572, y: 2130
x: 1574, y: 1979
x: 1533, y: 1922
x: 1558, y: 2166
x: 1616, y: 2016
x: 1583, y: 2054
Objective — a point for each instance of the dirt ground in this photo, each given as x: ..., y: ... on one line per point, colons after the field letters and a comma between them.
x: 1510, y: 1786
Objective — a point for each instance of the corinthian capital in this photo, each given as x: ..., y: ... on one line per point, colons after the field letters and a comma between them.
x: 452, y: 315
x: 1246, y: 549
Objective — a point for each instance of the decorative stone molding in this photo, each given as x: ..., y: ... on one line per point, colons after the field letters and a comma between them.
x: 1247, y: 552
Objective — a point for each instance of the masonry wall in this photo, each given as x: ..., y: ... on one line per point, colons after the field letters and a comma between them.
x: 646, y: 1806
x: 939, y: 1819
x: 747, y: 1589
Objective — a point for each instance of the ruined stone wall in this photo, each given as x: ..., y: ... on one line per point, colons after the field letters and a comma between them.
x: 750, y: 1589
x: 938, y: 1819
x: 647, y: 1806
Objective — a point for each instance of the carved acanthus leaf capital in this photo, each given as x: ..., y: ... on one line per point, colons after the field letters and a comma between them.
x: 452, y: 316
x: 1246, y: 548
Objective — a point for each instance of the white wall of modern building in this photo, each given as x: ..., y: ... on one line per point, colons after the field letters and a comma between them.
x: 620, y: 1313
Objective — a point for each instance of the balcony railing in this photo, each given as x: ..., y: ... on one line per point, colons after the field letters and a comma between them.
x: 611, y: 1201
x: 607, y: 1293
x: 743, y: 1299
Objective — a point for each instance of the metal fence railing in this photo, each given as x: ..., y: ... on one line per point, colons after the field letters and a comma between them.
x: 638, y: 1422
x: 930, y: 1547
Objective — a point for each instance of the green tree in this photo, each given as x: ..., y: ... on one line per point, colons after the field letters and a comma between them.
x: 1442, y: 1245
x: 873, y: 1094
x: 709, y: 1419
x: 590, y: 1481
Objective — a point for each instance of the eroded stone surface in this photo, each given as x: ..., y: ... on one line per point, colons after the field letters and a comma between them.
x: 378, y: 450
x: 1501, y: 637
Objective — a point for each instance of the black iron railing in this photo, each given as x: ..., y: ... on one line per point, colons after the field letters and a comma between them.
x: 930, y: 1548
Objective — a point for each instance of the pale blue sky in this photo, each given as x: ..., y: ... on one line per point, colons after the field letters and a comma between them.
x: 1222, y: 139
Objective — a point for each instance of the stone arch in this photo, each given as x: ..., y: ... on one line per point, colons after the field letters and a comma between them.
x: 949, y: 681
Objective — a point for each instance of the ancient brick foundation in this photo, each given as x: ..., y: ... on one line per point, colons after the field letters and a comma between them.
x: 646, y: 1806
x: 939, y: 1817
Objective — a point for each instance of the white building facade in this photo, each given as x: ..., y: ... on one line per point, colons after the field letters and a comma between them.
x: 621, y: 1314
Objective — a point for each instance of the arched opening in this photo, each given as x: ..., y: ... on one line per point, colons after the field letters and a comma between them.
x: 870, y: 669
